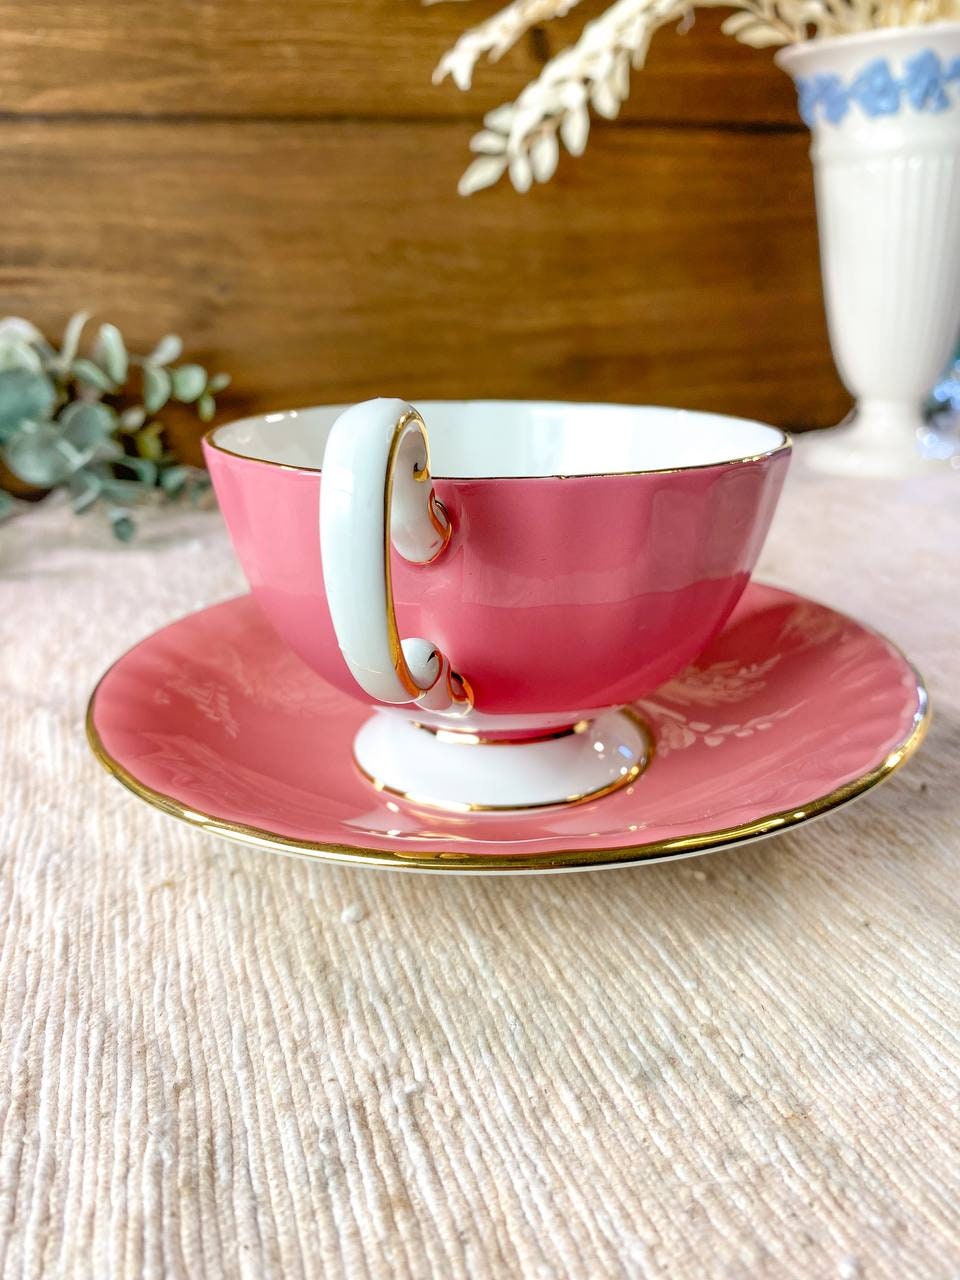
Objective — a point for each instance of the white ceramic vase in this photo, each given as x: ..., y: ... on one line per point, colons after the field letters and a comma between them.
x: 883, y: 108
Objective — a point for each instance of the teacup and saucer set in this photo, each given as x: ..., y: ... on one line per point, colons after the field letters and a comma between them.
x: 503, y: 637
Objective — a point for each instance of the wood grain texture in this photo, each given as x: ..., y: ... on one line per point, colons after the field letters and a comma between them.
x: 275, y: 180
x: 333, y: 261
x: 316, y: 58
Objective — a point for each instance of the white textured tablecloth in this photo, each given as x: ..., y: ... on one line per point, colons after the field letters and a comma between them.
x: 215, y: 1062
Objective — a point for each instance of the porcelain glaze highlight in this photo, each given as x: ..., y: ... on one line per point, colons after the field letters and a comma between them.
x: 791, y: 710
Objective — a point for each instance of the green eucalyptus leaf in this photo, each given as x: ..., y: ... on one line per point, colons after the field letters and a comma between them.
x: 156, y: 387
x: 148, y: 442
x: 22, y: 330
x: 24, y: 395
x: 40, y: 457
x: 133, y: 419
x: 168, y: 349
x: 125, y: 491
x: 189, y: 382
x: 81, y: 450
x: 85, y: 487
x: 173, y: 479
x: 122, y: 525
x: 103, y: 457
x: 28, y: 427
x: 143, y: 469
x: 110, y: 353
x: 15, y: 353
x: 16, y: 329
x: 71, y: 338
x: 87, y: 425
x: 109, y: 450
x: 92, y: 375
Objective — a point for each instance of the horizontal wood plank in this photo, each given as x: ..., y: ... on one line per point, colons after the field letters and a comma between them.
x: 333, y: 262
x: 328, y: 58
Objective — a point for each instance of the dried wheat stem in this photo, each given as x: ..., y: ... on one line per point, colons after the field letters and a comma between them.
x: 522, y: 138
x: 495, y: 36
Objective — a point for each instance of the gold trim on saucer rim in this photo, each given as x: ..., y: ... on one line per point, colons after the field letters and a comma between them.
x: 563, y: 860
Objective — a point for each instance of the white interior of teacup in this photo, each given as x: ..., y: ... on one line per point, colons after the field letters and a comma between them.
x: 511, y: 438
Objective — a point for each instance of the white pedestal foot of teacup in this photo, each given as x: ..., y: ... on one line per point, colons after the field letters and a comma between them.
x: 460, y: 771
x: 879, y: 438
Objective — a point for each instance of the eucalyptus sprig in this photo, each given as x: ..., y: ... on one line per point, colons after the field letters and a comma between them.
x: 88, y: 424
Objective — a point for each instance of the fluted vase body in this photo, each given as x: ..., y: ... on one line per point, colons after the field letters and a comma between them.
x: 883, y: 108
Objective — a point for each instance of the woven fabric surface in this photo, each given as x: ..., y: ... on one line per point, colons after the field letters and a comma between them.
x: 217, y: 1062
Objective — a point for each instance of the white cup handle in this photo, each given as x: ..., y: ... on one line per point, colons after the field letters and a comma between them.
x: 375, y: 489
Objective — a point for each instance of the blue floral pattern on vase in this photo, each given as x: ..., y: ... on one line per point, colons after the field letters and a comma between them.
x: 877, y: 91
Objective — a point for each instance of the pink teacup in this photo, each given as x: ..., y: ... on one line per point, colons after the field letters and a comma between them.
x: 552, y: 563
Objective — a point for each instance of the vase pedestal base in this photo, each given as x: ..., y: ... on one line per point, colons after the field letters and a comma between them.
x: 878, y: 438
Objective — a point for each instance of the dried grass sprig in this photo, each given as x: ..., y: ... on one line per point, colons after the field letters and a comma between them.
x: 493, y: 38
x: 522, y: 138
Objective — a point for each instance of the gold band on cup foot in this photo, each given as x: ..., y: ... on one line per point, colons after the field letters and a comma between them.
x: 437, y: 770
x: 469, y: 738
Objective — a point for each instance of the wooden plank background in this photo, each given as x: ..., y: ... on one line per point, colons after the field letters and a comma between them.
x: 275, y: 180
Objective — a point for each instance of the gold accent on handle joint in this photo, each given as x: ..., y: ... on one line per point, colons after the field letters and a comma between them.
x: 457, y: 688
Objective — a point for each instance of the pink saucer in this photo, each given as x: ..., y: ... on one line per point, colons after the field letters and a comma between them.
x: 793, y: 710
